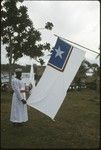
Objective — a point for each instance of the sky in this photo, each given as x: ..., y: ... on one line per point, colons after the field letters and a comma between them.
x: 77, y: 21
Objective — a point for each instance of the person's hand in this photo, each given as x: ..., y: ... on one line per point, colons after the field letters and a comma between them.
x: 23, y: 101
x: 30, y: 86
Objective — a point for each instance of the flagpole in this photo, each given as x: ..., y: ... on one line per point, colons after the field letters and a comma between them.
x: 77, y: 44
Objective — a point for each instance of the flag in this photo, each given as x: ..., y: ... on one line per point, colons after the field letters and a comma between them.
x: 31, y: 79
x: 52, y: 88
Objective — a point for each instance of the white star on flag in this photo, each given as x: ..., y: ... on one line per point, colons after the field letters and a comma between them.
x: 59, y: 52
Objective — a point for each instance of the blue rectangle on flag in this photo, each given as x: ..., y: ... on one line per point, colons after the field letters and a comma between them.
x: 60, y: 55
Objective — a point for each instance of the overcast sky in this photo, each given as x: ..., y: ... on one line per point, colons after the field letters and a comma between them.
x: 78, y: 21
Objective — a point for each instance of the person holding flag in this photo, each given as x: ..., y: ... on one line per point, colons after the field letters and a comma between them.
x: 19, y: 112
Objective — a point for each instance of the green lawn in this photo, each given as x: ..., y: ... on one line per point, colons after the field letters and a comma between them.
x: 76, y: 124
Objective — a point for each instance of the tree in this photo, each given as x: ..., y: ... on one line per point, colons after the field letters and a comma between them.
x: 18, y: 33
x: 82, y: 73
x: 96, y: 74
x: 94, y: 68
x: 48, y: 26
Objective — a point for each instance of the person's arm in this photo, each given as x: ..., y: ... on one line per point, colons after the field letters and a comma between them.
x: 30, y: 86
x: 22, y: 91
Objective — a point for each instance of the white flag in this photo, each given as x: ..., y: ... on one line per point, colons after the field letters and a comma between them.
x: 51, y: 90
x: 31, y: 79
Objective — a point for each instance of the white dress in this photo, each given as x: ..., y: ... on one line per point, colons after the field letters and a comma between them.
x: 18, y: 109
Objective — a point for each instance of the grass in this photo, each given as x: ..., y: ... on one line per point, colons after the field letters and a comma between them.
x: 76, y: 124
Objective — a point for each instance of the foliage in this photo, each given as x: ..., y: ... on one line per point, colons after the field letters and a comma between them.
x: 49, y: 26
x: 81, y: 74
x: 18, y: 33
x: 15, y: 24
x: 96, y: 69
x: 91, y: 85
x: 82, y: 78
x: 5, y: 67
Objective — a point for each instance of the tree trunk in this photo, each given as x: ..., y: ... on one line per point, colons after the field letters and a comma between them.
x: 10, y: 72
x: 10, y: 59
